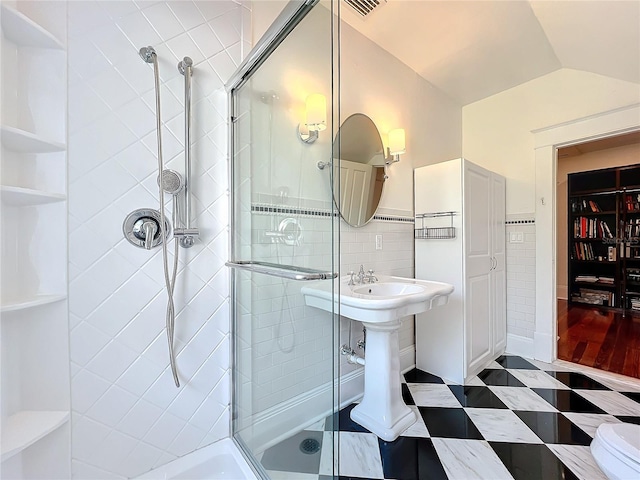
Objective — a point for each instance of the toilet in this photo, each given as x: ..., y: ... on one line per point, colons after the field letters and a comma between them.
x: 616, y: 450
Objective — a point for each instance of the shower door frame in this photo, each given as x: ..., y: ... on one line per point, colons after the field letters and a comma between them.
x: 287, y: 20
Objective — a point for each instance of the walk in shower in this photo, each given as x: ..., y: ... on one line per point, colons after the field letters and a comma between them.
x: 284, y: 233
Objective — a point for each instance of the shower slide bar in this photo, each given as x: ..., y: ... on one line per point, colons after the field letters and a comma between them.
x: 290, y: 272
x: 186, y: 233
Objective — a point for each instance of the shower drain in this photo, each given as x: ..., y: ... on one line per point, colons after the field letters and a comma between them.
x: 310, y: 446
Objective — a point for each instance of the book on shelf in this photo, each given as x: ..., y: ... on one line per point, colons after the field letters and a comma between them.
x: 632, y: 202
x: 586, y: 278
x: 584, y: 227
x: 594, y: 297
x: 584, y: 205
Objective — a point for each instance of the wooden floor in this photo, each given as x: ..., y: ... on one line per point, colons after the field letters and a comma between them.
x: 599, y: 338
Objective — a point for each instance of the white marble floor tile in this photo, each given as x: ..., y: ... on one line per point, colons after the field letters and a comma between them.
x: 518, y: 398
x: 537, y: 379
x: 328, y: 455
x: 469, y: 460
x: 418, y: 429
x: 579, y: 460
x: 611, y: 402
x: 433, y: 395
x: 360, y: 455
x: 472, y: 382
x: 549, y: 367
x: 494, y: 365
x: 589, y: 422
x: 632, y: 385
x: 501, y: 425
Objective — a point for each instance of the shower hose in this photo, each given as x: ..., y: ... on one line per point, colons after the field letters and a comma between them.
x: 169, y: 279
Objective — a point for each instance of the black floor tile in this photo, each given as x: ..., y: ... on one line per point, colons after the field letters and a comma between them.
x: 567, y: 401
x: 531, y: 462
x: 500, y: 378
x: 628, y: 419
x: 419, y: 376
x: 342, y: 421
x: 291, y: 456
x: 449, y: 423
x: 406, y: 395
x: 509, y: 361
x: 552, y: 427
x: 476, y: 397
x: 577, y: 380
x: 410, y: 458
x: 633, y: 396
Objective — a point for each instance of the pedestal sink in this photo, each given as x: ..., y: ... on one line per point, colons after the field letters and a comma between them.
x: 380, y: 306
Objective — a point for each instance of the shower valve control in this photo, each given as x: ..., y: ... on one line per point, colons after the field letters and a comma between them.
x: 142, y: 228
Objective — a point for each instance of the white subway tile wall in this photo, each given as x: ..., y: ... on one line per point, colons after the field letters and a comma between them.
x: 358, y: 247
x: 127, y: 416
x: 521, y: 275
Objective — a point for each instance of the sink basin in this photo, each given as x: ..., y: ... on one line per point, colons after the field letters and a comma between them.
x: 388, y: 300
x: 389, y: 289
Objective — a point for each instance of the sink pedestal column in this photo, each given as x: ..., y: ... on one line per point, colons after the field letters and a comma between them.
x: 382, y: 410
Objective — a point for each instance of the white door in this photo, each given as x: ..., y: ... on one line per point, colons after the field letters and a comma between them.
x: 355, y: 185
x: 478, y: 261
x: 498, y: 274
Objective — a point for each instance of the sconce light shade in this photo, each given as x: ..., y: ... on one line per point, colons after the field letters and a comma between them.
x: 316, y: 106
x: 397, y: 141
x: 316, y: 118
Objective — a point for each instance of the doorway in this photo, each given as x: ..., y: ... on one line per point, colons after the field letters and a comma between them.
x: 597, y: 324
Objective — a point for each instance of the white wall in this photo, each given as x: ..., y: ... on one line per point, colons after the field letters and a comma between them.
x: 497, y: 130
x: 127, y: 415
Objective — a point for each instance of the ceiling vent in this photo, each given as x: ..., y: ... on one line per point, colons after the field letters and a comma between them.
x: 365, y: 7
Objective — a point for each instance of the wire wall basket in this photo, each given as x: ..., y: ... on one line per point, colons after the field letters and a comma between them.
x: 428, y: 232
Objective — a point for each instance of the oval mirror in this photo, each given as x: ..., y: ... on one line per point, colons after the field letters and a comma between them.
x: 358, y: 185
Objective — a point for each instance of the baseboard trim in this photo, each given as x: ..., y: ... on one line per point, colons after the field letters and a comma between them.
x: 521, y: 346
x: 544, y: 346
x: 407, y: 358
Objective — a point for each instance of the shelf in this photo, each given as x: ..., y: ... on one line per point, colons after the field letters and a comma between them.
x: 18, y: 140
x: 20, y: 197
x: 599, y: 191
x: 591, y: 239
x: 26, y: 303
x: 596, y: 284
x: 23, y: 31
x: 593, y: 261
x: 25, y: 428
x: 592, y: 214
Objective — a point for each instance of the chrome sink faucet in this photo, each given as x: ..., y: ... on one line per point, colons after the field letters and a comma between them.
x: 361, y: 277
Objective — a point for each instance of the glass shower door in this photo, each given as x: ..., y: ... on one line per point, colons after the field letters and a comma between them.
x: 284, y: 235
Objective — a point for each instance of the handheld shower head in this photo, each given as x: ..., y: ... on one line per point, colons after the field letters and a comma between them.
x: 147, y: 53
x: 172, y: 181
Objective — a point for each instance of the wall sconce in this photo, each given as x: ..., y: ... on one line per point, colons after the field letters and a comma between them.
x: 397, y: 146
x: 316, y: 118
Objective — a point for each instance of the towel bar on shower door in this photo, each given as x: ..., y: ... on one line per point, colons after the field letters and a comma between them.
x: 284, y: 271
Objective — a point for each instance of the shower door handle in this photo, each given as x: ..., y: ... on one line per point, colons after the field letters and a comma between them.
x: 290, y: 272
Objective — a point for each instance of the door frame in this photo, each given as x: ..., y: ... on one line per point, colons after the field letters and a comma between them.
x: 546, y: 143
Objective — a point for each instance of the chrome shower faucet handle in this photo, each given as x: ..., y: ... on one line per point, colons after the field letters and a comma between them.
x: 351, y: 282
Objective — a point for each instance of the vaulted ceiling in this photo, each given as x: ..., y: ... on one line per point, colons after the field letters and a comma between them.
x: 474, y: 49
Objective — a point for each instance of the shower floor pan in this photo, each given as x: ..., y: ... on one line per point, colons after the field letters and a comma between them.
x: 219, y: 461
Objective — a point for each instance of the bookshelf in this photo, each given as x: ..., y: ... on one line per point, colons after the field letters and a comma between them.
x: 604, y: 237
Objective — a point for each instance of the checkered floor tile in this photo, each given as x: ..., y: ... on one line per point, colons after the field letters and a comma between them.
x: 516, y: 420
